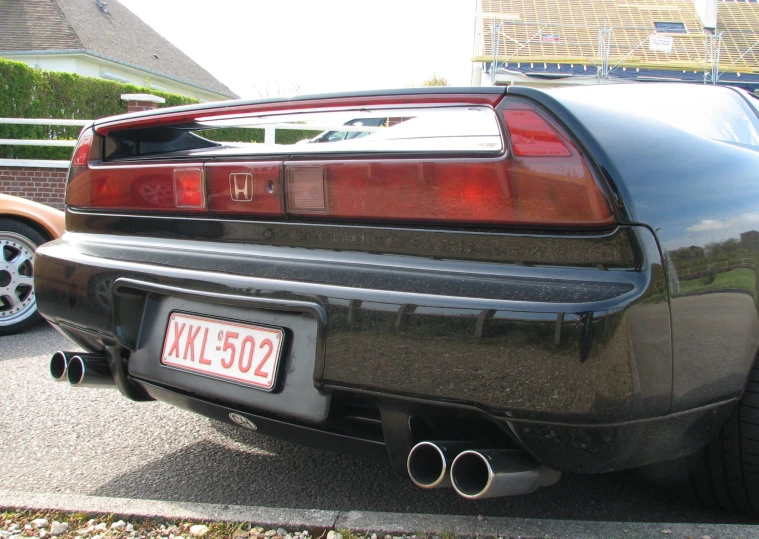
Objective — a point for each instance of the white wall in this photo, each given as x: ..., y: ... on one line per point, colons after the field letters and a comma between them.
x: 66, y: 64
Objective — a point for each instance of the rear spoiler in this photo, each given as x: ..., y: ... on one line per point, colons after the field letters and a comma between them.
x: 190, y: 114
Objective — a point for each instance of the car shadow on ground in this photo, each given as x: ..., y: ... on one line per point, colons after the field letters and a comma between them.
x: 34, y: 341
x: 278, y: 474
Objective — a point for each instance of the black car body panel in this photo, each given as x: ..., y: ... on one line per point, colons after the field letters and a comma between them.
x: 693, y: 192
x: 576, y: 345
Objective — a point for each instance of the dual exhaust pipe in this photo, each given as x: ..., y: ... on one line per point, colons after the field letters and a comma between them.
x: 473, y: 474
x: 81, y: 370
x: 477, y: 474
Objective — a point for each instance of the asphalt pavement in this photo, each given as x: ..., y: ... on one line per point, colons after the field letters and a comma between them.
x: 81, y: 441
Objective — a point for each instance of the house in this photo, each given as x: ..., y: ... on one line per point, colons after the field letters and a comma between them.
x: 557, y: 42
x: 103, y: 39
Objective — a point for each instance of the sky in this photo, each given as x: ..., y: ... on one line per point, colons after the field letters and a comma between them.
x: 261, y: 48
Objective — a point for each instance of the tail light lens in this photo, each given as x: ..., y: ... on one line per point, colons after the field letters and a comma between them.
x: 86, y: 150
x: 165, y: 188
x: 552, y: 182
x: 83, y: 149
x: 543, y: 180
x: 463, y: 192
x: 546, y: 181
x: 189, y: 187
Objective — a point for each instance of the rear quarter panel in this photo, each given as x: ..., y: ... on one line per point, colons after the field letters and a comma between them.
x: 701, y: 198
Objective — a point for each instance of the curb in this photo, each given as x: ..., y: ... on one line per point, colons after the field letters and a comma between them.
x: 394, y: 523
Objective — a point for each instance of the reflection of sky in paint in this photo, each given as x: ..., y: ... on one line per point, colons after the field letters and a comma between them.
x: 704, y: 200
x: 729, y: 215
x: 716, y: 230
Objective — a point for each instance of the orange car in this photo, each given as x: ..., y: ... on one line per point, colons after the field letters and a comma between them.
x: 24, y: 225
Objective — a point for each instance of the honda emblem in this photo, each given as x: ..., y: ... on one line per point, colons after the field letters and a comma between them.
x: 241, y: 187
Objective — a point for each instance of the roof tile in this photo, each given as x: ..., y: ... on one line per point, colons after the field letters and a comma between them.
x: 43, y: 25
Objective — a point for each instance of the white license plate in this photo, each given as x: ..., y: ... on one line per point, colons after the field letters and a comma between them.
x: 241, y: 353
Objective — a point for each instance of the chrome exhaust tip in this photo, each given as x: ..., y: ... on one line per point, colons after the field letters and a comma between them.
x: 59, y: 364
x: 89, y: 370
x: 494, y: 473
x: 428, y: 463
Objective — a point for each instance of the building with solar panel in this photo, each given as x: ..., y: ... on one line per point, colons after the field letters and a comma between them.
x: 545, y: 43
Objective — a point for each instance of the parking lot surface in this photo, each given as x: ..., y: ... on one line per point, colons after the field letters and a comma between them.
x: 59, y: 439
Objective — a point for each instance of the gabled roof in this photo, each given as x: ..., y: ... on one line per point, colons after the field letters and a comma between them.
x: 36, y: 25
x: 119, y: 35
x: 561, y: 31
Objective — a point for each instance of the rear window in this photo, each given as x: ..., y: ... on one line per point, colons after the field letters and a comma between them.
x: 429, y: 129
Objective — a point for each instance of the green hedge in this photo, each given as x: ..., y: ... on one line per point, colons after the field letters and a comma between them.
x: 239, y: 134
x: 32, y: 93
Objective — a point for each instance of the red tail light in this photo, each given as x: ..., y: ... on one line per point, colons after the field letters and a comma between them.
x: 189, y: 187
x: 465, y: 192
x: 82, y: 151
x: 552, y: 182
x: 545, y: 182
x: 134, y: 188
x: 532, y: 135
x: 543, y: 179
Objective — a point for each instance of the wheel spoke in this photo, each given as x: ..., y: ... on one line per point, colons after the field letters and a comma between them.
x: 21, y: 258
x: 14, y: 301
x: 17, y: 300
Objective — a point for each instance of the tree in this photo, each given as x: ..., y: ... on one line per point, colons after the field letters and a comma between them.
x: 277, y: 88
x: 435, y: 80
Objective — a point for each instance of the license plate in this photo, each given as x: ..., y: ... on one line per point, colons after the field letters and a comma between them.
x: 242, y: 353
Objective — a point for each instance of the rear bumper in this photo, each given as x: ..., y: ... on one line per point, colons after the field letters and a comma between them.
x: 572, y: 363
x: 569, y: 448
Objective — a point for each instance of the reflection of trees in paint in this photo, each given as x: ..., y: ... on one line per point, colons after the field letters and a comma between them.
x: 717, y: 266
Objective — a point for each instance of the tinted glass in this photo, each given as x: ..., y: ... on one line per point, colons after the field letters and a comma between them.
x: 432, y: 129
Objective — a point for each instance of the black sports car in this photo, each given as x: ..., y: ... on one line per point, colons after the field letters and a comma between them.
x: 507, y: 285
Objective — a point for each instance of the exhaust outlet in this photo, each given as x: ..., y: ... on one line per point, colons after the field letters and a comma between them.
x: 59, y: 364
x: 493, y: 473
x: 428, y: 463
x: 90, y: 370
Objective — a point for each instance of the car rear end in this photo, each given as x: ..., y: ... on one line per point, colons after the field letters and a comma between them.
x: 465, y: 276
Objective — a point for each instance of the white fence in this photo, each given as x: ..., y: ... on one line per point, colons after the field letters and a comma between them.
x: 38, y: 142
x: 269, y: 130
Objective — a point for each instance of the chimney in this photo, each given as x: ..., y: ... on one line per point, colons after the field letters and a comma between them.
x: 707, y: 13
x: 140, y: 102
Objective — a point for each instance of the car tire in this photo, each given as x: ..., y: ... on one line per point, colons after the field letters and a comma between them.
x: 18, y: 302
x: 725, y: 473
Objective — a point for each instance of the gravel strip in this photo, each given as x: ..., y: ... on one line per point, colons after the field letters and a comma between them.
x: 50, y: 524
x: 57, y: 524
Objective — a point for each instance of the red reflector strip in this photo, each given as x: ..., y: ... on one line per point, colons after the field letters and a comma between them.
x: 245, y: 188
x: 189, y: 188
x: 305, y: 189
x: 402, y: 190
x: 545, y: 181
x: 135, y: 188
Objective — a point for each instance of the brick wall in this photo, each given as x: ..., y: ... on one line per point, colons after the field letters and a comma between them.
x: 44, y: 185
x: 139, y: 106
